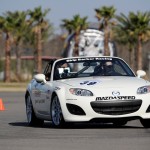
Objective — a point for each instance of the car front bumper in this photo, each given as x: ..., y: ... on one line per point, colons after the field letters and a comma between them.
x: 106, y: 110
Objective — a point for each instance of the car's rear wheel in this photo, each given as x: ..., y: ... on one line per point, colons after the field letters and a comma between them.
x: 31, y: 118
x: 145, y: 123
x: 56, y: 113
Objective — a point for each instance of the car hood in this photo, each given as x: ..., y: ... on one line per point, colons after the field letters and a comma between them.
x: 102, y: 82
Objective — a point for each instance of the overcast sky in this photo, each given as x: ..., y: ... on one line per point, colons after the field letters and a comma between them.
x: 61, y: 9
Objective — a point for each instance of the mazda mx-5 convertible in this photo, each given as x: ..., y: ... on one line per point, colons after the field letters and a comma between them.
x: 88, y: 89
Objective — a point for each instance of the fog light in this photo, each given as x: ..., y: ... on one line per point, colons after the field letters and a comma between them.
x: 75, y: 110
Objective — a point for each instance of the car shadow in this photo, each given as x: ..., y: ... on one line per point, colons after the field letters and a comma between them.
x: 77, y: 126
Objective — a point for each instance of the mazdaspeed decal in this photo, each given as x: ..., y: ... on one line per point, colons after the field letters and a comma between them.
x: 115, y: 98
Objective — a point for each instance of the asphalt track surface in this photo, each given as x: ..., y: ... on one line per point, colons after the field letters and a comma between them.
x: 16, y: 135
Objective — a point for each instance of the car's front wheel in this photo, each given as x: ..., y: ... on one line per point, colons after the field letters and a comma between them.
x: 56, y: 113
x: 145, y: 123
x: 31, y: 118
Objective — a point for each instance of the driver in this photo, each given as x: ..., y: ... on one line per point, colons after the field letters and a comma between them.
x: 108, y: 68
x: 62, y: 73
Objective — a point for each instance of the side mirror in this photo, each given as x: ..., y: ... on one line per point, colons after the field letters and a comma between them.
x: 40, y: 78
x: 141, y: 73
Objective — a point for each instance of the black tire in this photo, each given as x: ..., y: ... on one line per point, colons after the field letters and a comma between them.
x: 56, y: 113
x: 145, y: 123
x: 31, y: 117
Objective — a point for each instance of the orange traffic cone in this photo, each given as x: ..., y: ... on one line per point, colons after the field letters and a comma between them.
x: 1, y: 105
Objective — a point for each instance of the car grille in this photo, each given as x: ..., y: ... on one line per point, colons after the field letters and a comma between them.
x: 116, y: 107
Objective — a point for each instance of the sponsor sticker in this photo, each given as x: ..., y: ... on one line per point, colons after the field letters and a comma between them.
x: 71, y: 99
x: 92, y: 82
x: 87, y: 59
x: 57, y: 88
x: 37, y: 93
x: 41, y: 101
x: 48, y: 91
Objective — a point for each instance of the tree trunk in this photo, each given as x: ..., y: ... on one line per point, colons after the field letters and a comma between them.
x: 18, y: 61
x: 135, y: 58
x: 139, y: 53
x: 76, y: 46
x: 76, y: 50
x: 106, y: 41
x: 7, y: 59
x: 38, y: 51
x: 131, y: 57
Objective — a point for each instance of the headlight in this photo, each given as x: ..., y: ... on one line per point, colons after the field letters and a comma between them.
x: 80, y: 92
x: 143, y: 90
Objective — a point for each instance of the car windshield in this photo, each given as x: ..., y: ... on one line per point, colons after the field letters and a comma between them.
x: 90, y: 66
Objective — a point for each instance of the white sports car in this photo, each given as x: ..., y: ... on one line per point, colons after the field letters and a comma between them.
x: 83, y: 89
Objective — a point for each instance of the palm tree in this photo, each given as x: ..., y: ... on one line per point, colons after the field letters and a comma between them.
x: 105, y: 16
x: 124, y: 35
x: 68, y: 25
x: 6, y: 26
x: 19, y: 32
x: 39, y: 24
x: 140, y: 25
x: 75, y: 25
x: 78, y: 24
